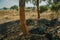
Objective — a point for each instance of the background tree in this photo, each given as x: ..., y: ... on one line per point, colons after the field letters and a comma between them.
x: 36, y: 3
x: 43, y: 8
x: 15, y: 7
x: 4, y: 8
x: 55, y: 6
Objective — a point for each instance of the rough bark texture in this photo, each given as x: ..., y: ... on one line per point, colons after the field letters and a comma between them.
x: 22, y: 16
x: 38, y: 9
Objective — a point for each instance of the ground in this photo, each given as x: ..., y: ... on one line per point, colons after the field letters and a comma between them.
x: 10, y: 19
x: 11, y: 15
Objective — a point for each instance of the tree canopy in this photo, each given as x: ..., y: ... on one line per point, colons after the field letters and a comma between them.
x: 14, y: 7
x: 4, y: 8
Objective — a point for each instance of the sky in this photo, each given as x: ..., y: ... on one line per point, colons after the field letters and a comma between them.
x: 9, y: 3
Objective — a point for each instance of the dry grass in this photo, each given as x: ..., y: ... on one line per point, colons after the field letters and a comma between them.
x: 7, y: 15
x: 14, y: 15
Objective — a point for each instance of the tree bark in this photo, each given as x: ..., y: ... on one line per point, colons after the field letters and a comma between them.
x: 22, y: 17
x: 38, y: 9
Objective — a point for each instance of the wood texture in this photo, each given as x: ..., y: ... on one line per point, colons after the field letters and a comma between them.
x: 22, y: 17
x: 38, y: 9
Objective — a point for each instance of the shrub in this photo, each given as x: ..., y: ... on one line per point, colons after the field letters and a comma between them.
x: 44, y: 21
x: 30, y: 22
x: 43, y: 9
x: 39, y: 30
x: 15, y: 7
x: 5, y: 8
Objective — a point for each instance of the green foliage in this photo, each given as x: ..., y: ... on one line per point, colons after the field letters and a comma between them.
x: 55, y: 7
x: 33, y: 8
x: 15, y: 7
x: 43, y: 8
x: 28, y: 7
x: 30, y: 22
x: 4, y: 8
x: 56, y: 1
x: 55, y: 4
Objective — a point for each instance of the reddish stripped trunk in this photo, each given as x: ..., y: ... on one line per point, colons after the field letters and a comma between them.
x: 22, y: 17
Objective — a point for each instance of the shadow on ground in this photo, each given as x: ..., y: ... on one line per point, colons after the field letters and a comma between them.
x: 42, y: 24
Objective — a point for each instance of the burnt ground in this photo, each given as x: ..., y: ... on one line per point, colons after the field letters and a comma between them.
x: 42, y: 29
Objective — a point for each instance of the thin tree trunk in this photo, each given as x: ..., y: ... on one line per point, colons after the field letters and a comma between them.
x: 22, y: 16
x: 38, y: 9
